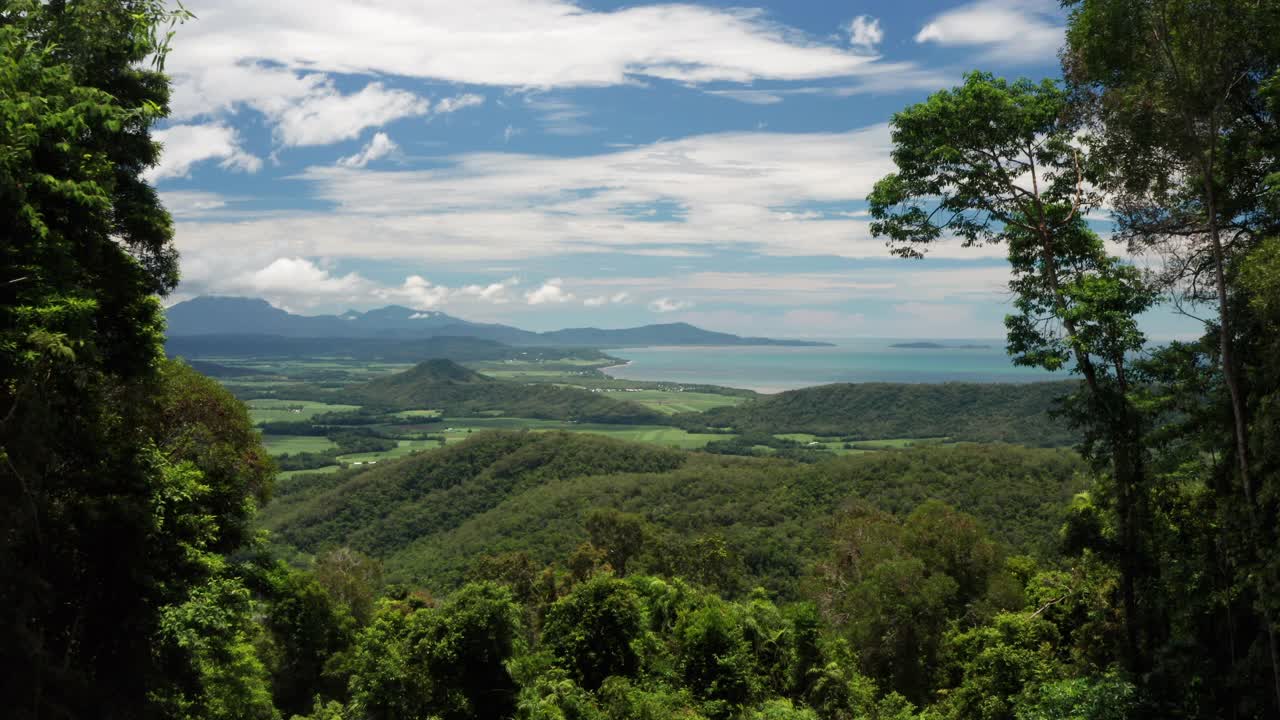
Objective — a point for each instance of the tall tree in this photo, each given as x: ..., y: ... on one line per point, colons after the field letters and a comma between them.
x: 997, y: 162
x: 87, y: 497
x: 1174, y: 88
x: 1178, y: 91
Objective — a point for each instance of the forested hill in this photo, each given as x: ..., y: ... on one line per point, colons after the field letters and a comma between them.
x: 998, y: 412
x: 428, y: 517
x: 455, y: 390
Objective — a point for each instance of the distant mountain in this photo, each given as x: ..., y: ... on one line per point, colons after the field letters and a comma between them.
x: 385, y: 349
x: 251, y: 316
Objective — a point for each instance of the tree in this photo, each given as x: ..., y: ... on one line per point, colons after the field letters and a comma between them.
x: 1174, y: 86
x: 448, y: 662
x: 998, y: 162
x: 591, y: 630
x: 619, y: 535
x: 87, y: 246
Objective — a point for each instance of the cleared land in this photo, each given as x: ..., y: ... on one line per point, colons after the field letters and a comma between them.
x: 290, y: 444
x: 282, y: 410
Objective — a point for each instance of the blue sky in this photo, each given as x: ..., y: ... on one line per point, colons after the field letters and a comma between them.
x: 552, y: 164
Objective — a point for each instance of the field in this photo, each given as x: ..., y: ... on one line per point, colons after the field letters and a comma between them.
x: 267, y: 391
x: 280, y: 410
x: 291, y: 444
x: 842, y: 447
x: 459, y: 429
x: 406, y: 447
x: 670, y: 402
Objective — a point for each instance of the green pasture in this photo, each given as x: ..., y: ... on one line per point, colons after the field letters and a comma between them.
x: 459, y: 429
x: 669, y: 402
x: 290, y: 444
x: 278, y: 410
x: 405, y: 447
x: 286, y: 474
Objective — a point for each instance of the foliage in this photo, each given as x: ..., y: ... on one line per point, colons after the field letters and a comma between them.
x: 427, y: 517
x: 1009, y: 412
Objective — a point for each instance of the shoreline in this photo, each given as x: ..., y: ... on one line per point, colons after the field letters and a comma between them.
x: 606, y: 370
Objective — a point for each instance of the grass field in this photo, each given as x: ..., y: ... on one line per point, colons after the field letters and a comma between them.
x: 406, y: 447
x: 837, y: 445
x: 290, y: 473
x: 458, y: 429
x: 274, y: 410
x: 290, y: 444
x: 417, y: 414
x: 671, y: 402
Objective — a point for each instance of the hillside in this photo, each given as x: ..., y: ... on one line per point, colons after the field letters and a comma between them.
x: 996, y: 412
x: 251, y: 316
x: 429, y: 517
x: 452, y: 389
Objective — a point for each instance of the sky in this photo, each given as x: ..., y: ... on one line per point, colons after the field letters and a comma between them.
x: 553, y: 164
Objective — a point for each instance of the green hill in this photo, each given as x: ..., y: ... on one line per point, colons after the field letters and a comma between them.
x: 457, y: 391
x: 994, y: 412
x: 429, y: 517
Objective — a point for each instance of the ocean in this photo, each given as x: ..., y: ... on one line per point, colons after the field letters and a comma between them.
x: 774, y: 369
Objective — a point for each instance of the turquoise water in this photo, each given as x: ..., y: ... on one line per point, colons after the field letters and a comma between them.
x: 773, y: 369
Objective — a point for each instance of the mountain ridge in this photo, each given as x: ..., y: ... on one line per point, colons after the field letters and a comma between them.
x: 225, y: 315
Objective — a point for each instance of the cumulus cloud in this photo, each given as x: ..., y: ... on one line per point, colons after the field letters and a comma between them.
x: 865, y: 32
x: 329, y: 116
x: 189, y: 145
x: 380, y: 146
x: 666, y: 305
x: 551, y: 292
x: 1010, y: 30
x: 496, y: 293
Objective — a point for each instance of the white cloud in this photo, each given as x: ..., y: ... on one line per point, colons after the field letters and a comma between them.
x: 192, y: 203
x: 552, y: 291
x: 865, y: 32
x: 188, y: 145
x: 775, y: 194
x: 511, y: 132
x: 1010, y: 30
x: 380, y: 146
x: 515, y: 43
x: 329, y: 116
x: 602, y: 300
x: 298, y: 276
x: 417, y: 291
x: 666, y: 305
x: 497, y: 293
x: 454, y: 104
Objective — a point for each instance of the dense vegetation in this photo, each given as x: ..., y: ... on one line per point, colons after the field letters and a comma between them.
x: 576, y: 577
x: 1012, y: 413
x: 427, y: 517
x: 454, y: 390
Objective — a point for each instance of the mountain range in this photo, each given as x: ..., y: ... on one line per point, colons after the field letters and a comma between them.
x: 211, y: 315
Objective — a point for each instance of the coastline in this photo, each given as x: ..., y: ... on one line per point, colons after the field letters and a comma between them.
x: 606, y: 370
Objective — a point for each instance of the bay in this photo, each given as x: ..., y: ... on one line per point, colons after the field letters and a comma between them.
x: 774, y: 369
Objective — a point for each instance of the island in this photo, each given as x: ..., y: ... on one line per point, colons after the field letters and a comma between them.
x: 938, y: 346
